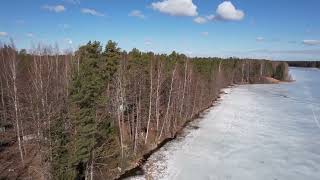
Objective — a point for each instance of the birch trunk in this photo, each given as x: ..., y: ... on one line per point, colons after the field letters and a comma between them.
x: 4, y: 109
x: 157, y: 96
x: 184, y: 89
x: 16, y: 106
x: 261, y: 70
x: 194, y: 100
x: 169, y: 102
x: 150, y: 104
x: 137, y: 122
x: 91, y: 166
x: 242, y: 70
x: 119, y: 109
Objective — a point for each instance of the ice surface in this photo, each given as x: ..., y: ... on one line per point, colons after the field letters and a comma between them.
x: 267, y: 132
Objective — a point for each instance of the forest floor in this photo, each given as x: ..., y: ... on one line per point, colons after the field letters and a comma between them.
x: 11, y: 166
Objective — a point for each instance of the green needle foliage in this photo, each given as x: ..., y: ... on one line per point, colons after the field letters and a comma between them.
x: 280, y: 71
x: 60, y: 142
x: 96, y: 68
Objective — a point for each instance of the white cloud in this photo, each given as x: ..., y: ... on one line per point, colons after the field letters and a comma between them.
x: 30, y: 35
x: 68, y: 40
x: 200, y: 20
x: 294, y: 52
x: 259, y: 39
x: 57, y: 8
x: 211, y: 17
x: 176, y: 7
x: 92, y: 12
x: 311, y: 42
x: 204, y: 33
x: 227, y: 11
x: 3, y: 34
x: 72, y: 1
x: 137, y: 13
x: 148, y: 42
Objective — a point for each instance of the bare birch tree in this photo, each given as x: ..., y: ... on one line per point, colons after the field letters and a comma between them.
x: 11, y: 74
x: 150, y: 101
x: 169, y: 102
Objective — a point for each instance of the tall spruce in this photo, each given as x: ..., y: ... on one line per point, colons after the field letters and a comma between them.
x: 60, y: 140
x: 95, y: 70
x: 112, y: 56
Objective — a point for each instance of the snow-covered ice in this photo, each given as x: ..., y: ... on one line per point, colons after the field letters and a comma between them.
x: 267, y: 132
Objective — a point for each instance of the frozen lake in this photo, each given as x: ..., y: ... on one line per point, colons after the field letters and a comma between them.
x: 267, y: 132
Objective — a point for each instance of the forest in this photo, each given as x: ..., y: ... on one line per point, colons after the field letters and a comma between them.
x: 93, y: 113
x: 313, y: 64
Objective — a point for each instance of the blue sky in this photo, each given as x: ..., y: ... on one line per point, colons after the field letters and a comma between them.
x: 273, y: 29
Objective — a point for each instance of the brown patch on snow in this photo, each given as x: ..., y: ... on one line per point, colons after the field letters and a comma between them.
x: 270, y: 80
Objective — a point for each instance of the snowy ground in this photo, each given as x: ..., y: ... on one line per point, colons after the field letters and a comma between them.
x: 255, y: 132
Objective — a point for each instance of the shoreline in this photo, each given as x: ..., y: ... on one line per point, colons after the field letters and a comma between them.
x: 137, y: 170
x: 242, y: 133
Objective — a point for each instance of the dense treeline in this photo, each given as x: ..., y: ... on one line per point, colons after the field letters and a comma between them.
x: 94, y: 113
x: 313, y: 64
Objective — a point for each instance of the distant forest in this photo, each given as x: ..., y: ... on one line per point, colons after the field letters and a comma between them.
x: 93, y: 113
x: 314, y: 64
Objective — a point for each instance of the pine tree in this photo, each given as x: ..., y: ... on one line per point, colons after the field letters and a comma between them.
x: 60, y: 140
x: 112, y: 56
x: 280, y: 72
x: 96, y: 69
x: 86, y: 89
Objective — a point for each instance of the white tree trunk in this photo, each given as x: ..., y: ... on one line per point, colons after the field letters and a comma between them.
x: 261, y: 70
x: 91, y: 166
x: 137, y: 122
x: 157, y: 96
x: 242, y: 71
x: 150, y: 104
x: 169, y: 103
x: 194, y: 100
x: 4, y: 109
x: 184, y: 89
x: 16, y: 106
x: 119, y: 109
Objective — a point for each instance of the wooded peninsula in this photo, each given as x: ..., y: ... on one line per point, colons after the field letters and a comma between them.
x: 309, y: 64
x: 93, y: 113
